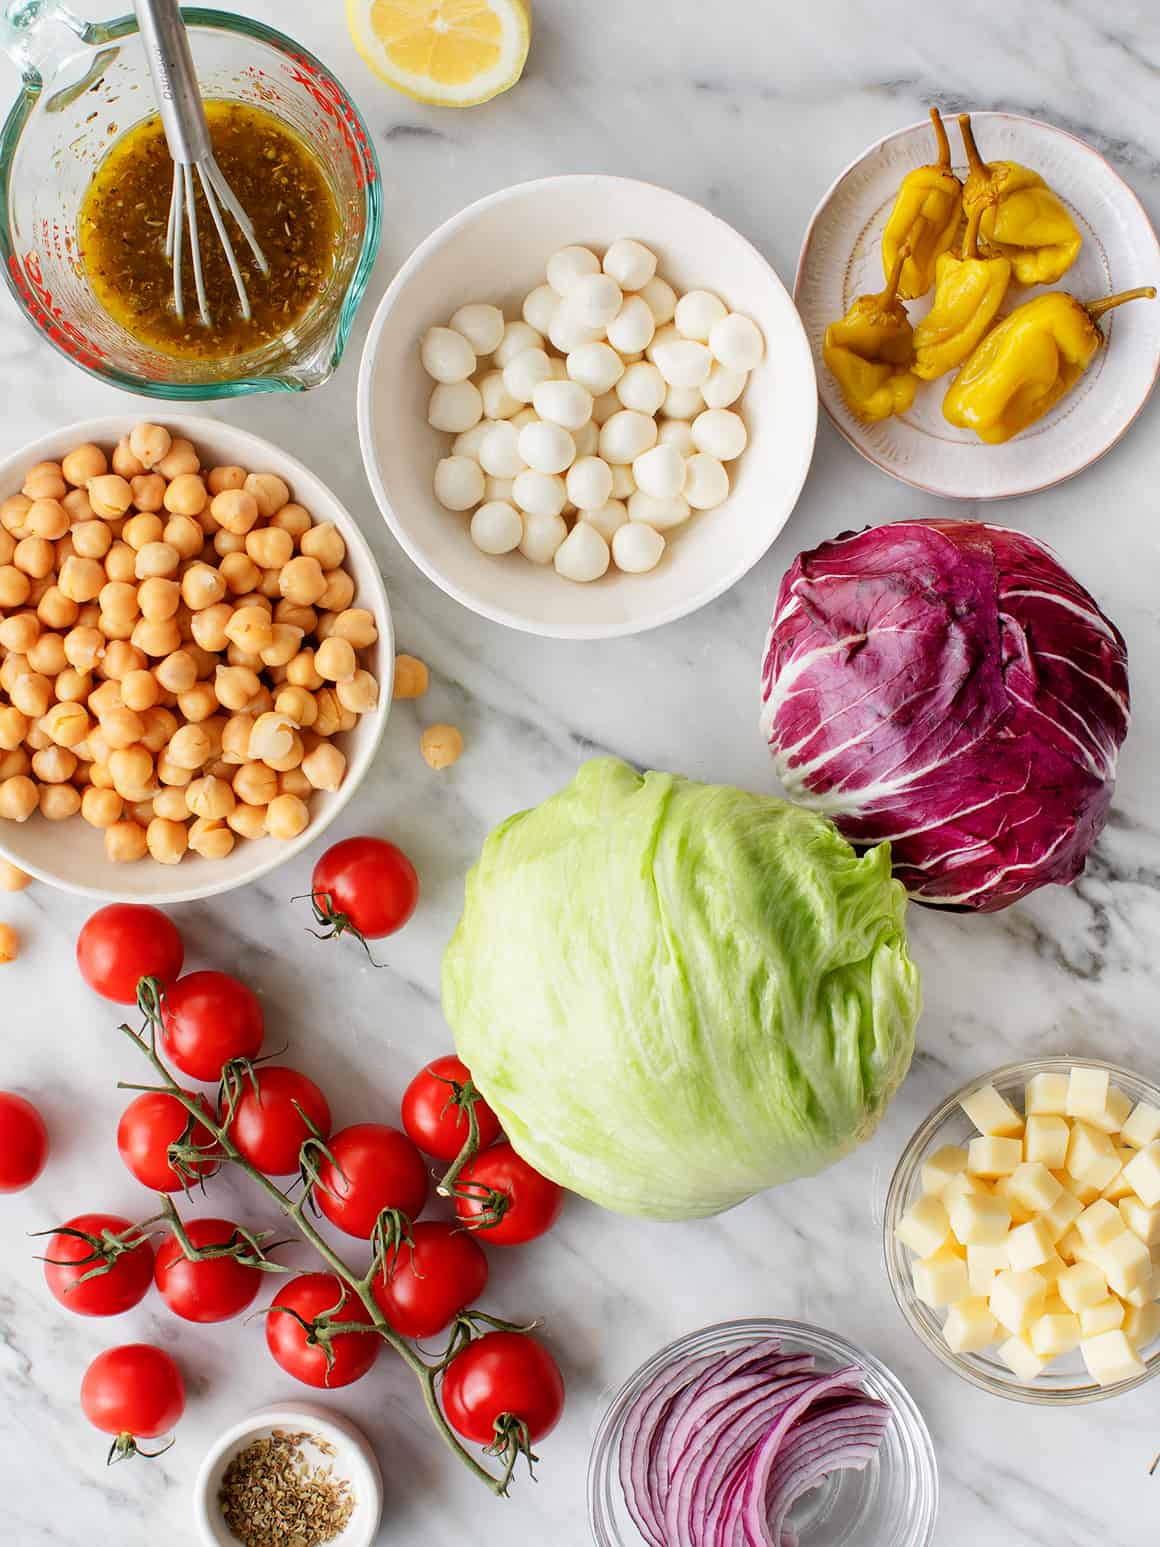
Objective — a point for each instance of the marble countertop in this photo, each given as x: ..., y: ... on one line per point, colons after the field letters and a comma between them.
x: 752, y: 109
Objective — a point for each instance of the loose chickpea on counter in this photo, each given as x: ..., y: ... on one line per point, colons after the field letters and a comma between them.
x: 178, y: 647
x: 9, y: 944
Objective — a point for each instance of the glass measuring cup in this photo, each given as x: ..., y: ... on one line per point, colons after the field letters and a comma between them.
x: 83, y: 85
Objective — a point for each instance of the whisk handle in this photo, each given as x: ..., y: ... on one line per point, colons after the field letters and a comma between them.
x: 174, y: 78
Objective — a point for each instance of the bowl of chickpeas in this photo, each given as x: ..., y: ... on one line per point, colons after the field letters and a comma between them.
x: 196, y: 658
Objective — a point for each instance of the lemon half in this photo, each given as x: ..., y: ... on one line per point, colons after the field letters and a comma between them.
x: 454, y: 52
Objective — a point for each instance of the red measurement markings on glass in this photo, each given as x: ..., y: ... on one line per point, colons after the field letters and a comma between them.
x: 337, y: 105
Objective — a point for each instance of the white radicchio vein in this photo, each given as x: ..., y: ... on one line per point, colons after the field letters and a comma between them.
x: 999, y: 797
x: 1118, y: 699
x: 783, y: 687
x: 998, y: 875
x: 1092, y: 617
x: 1085, y: 755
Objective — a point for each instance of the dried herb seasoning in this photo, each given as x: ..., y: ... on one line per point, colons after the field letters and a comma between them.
x: 274, y: 1495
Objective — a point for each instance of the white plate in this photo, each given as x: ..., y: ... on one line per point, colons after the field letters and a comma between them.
x: 496, y: 250
x: 840, y: 259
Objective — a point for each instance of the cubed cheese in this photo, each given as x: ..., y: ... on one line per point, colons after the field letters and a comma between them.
x: 1067, y: 1244
x: 941, y: 1279
x: 1142, y: 1127
x: 1046, y: 1093
x: 1142, y: 1295
x: 960, y: 1186
x: 969, y: 1326
x: 1082, y: 1285
x: 1052, y: 1335
x: 980, y: 1219
x: 1100, y: 1222
x: 1020, y: 1213
x: 1142, y: 1324
x: 1092, y: 1159
x: 1141, y: 1220
x: 1114, y: 1114
x: 1033, y: 1185
x: 924, y: 1226
x: 995, y: 1156
x: 1119, y: 1186
x: 1110, y: 1358
x: 992, y: 1113
x: 1019, y: 1357
x: 1087, y: 1092
x: 948, y: 1162
x: 983, y: 1262
x: 1103, y: 1316
x: 1063, y: 1213
x: 1050, y: 1270
x: 1030, y: 1244
x: 1016, y: 1299
x: 1045, y: 1140
x: 1143, y: 1174
x: 1126, y: 1262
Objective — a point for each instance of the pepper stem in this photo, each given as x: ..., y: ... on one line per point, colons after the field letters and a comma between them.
x: 1096, y: 309
x: 971, y: 235
x: 900, y: 257
x: 974, y: 160
x: 940, y: 134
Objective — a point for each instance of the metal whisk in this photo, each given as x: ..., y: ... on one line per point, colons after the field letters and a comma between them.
x: 187, y: 135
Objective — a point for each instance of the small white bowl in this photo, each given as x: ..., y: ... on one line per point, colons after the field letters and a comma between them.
x: 71, y: 855
x: 353, y: 1460
x: 496, y: 251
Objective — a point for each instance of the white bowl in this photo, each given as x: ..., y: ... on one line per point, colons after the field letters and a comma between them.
x: 496, y: 250
x: 353, y: 1460
x: 841, y: 258
x: 71, y: 855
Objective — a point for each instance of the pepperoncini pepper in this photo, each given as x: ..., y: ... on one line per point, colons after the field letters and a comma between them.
x: 1022, y: 218
x: 925, y: 218
x: 968, y: 292
x: 871, y: 350
x: 1025, y: 365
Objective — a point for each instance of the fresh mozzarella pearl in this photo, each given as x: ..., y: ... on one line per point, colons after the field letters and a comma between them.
x: 641, y: 388
x: 589, y: 483
x: 455, y: 406
x: 737, y: 342
x: 481, y: 325
x: 458, y: 483
x: 517, y: 336
x: 446, y: 355
x: 558, y: 371
x: 499, y: 452
x: 595, y: 299
x: 524, y: 374
x: 497, y: 527
x: 661, y: 300
x: 678, y: 433
x: 660, y: 472
x: 563, y: 402
x: 721, y: 433
x: 632, y: 328
x: 583, y: 555
x: 587, y: 439
x: 568, y: 331
x: 663, y: 335
x: 525, y: 416
x: 623, y: 483
x: 469, y: 442
x: 596, y: 367
x: 498, y: 402
x: 543, y: 534
x: 683, y: 363
x: 604, y: 407
x: 626, y: 435
x: 657, y: 512
x: 546, y: 447
x: 497, y: 489
x: 630, y: 264
x: 569, y: 265
x: 607, y: 519
x: 539, y: 494
x: 706, y: 482
x: 636, y: 547
x: 683, y: 403
x: 696, y: 313
x: 724, y: 386
x: 539, y: 305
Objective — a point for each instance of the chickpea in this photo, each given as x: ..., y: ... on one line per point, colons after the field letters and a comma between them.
x: 270, y: 547
x: 199, y: 703
x: 7, y: 546
x: 212, y: 840
x: 125, y: 843
x: 84, y: 648
x: 48, y: 519
x: 180, y: 458
x: 325, y: 767
x: 82, y: 463
x: 269, y: 491
x: 82, y: 580
x: 186, y: 495
x: 303, y: 581
x: 140, y: 690
x: 13, y: 728
x: 167, y: 841
x: 441, y: 745
x: 297, y: 705
x: 255, y: 784
x: 256, y: 599
x: 54, y: 765
x: 91, y: 539
x: 67, y: 725
x: 292, y: 518
x: 122, y: 727
x: 121, y: 564
x: 125, y: 464
x: 140, y: 531
x: 148, y: 492
x: 12, y: 667
x: 235, y: 686
x: 12, y: 878
x: 45, y: 481
x: 158, y: 598
x: 171, y: 775
x: 73, y: 687
x: 301, y: 672
x: 119, y: 600
x: 12, y: 513
x: 15, y: 586
x: 250, y: 629
x: 89, y: 615
x: 177, y: 673
x: 247, y: 821
x: 329, y: 712
x: 102, y: 701
x: 287, y: 816
x: 235, y: 510
x: 185, y: 534
x: 225, y: 477
x: 149, y: 443
x: 37, y: 739
x: 268, y: 586
x: 157, y: 559
x: 58, y: 802
x: 19, y: 632
x: 170, y: 803
x: 19, y: 799
x: 161, y: 725
x: 285, y: 644
x: 82, y: 778
x: 121, y: 658
x: 261, y: 703
x: 156, y: 637
x: 236, y: 738
x: 411, y: 677
x: 325, y: 544
x: 209, y: 627
x: 110, y: 496
x: 133, y: 772
x: 36, y: 557
x: 214, y: 728
x: 47, y: 656
x: 227, y: 542
x: 240, y: 573
x: 100, y: 807
x: 336, y: 661
x: 15, y: 765
x: 210, y: 798
x: 80, y: 511
x: 358, y: 626
x: 202, y: 586
x: 205, y: 661
x: 31, y: 694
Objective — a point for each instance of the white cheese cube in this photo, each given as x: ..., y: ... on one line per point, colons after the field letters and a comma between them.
x: 1030, y: 1244
x: 980, y: 1219
x: 1114, y: 1112
x: 924, y: 1226
x: 1126, y: 1261
x: 1052, y: 1335
x: 992, y: 1113
x: 1143, y: 1295
x: 1050, y: 1270
x: 1142, y: 1127
x: 1063, y: 1213
x: 970, y: 1326
x: 1092, y: 1159
x: 1087, y: 1092
x: 1033, y: 1185
x: 1082, y: 1285
x: 941, y: 1279
x: 1100, y: 1222
x: 1019, y: 1357
x: 1045, y: 1140
x: 941, y: 1167
x: 1110, y: 1358
x: 1016, y: 1299
x: 994, y: 1156
x: 1119, y: 1186
x: 1020, y: 1213
x: 1104, y: 1316
x: 1067, y: 1244
x: 983, y: 1262
x: 1142, y: 1324
x: 1045, y: 1093
x: 963, y: 1185
x: 1143, y: 1174
x: 1141, y: 1220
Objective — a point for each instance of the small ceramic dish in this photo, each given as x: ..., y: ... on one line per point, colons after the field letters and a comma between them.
x: 496, y: 251
x: 71, y: 855
x: 841, y: 259
x: 349, y: 1456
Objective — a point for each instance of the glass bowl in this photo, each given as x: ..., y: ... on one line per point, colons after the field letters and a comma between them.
x: 1066, y: 1380
x: 892, y: 1503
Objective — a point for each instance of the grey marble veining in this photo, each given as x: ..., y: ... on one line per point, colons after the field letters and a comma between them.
x: 751, y: 106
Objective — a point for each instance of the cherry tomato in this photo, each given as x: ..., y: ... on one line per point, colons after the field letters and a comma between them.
x: 23, y: 1142
x: 433, y: 1118
x: 267, y: 1126
x: 105, y: 1294
x: 148, y: 1126
x: 366, y: 886
x: 534, y: 1202
x: 378, y: 1168
x: 135, y: 1392
x: 212, y: 1289
x: 424, y: 1286
x: 122, y: 944
x: 311, y: 1295
x: 207, y: 1019
x: 499, y: 1375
